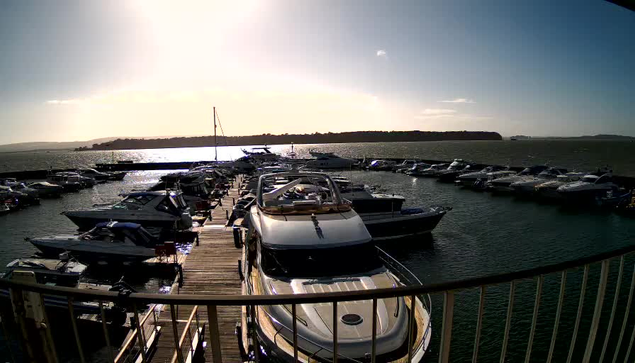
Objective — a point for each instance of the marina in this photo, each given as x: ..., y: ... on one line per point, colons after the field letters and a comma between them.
x: 209, y: 266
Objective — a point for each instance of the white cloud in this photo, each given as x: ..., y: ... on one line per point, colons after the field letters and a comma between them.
x: 437, y: 111
x: 447, y: 114
x: 382, y: 54
x: 63, y: 102
x: 459, y: 100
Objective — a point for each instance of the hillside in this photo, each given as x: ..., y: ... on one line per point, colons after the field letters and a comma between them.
x: 316, y: 138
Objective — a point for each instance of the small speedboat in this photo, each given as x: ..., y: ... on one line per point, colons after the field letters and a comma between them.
x: 385, y: 218
x: 4, y: 208
x: 404, y: 166
x: 416, y: 169
x: 469, y: 179
x: 549, y: 189
x: 71, y: 182
x: 61, y: 272
x: 329, y: 161
x: 117, y: 175
x: 165, y: 209
x: 112, y: 242
x: 97, y: 175
x: 381, y: 165
x: 589, y: 188
x: 527, y: 186
x: 503, y: 184
x: 261, y: 154
x: 432, y: 171
x: 47, y: 190
x: 455, y: 169
x: 17, y: 199
x: 302, y: 242
x: 64, y: 272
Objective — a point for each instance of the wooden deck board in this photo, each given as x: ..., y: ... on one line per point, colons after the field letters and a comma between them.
x: 210, y: 268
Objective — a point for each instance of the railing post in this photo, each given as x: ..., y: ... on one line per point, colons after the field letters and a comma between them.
x: 479, y: 323
x: 616, y: 298
x: 5, y: 332
x: 78, y: 342
x: 585, y: 279
x: 335, y: 321
x: 534, y: 319
x: 47, y: 327
x: 214, y: 334
x: 556, y: 323
x: 508, y: 321
x: 254, y: 334
x: 597, y: 313
x: 175, y: 331
x: 446, y: 333
x: 625, y: 320
x: 411, y: 325
x: 104, y: 325
x: 373, y: 348
x: 140, y: 337
x: 295, y: 332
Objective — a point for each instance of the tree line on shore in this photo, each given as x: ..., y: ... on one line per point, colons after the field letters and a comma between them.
x: 315, y: 138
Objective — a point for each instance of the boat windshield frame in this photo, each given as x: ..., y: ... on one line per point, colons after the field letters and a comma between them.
x: 336, y: 204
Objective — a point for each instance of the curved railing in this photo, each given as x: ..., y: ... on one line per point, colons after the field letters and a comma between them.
x: 447, y: 289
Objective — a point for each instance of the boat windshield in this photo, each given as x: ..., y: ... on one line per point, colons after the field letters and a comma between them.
x: 548, y: 174
x: 590, y: 179
x: 134, y: 202
x: 321, y: 262
x: 299, y: 194
x: 455, y: 165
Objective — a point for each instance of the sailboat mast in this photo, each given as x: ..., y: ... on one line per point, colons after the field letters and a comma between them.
x: 215, y: 142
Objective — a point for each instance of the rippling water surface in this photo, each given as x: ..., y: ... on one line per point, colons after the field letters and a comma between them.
x: 483, y: 234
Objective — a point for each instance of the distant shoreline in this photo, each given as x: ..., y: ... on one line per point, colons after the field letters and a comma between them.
x: 299, y: 139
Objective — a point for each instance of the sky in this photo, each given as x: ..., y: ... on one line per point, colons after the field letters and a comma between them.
x: 78, y: 70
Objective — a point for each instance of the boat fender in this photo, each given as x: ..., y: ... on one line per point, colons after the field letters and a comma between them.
x: 240, y: 270
x: 238, y: 243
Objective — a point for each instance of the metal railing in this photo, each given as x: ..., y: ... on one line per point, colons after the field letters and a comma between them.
x: 597, y: 343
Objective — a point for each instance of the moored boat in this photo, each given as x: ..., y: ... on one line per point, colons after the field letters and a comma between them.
x: 111, y: 242
x: 164, y: 209
x: 589, y: 189
x: 315, y: 242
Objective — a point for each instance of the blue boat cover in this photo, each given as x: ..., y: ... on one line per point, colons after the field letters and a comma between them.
x: 118, y: 225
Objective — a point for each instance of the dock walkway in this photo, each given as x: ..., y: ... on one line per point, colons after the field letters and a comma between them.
x: 210, y: 268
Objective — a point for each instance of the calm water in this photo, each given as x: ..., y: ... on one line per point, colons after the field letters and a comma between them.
x: 483, y: 234
x: 581, y: 155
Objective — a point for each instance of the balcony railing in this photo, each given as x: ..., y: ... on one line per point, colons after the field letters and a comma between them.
x: 608, y: 334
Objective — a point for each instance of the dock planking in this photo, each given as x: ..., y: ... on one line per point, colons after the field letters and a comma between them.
x: 210, y: 268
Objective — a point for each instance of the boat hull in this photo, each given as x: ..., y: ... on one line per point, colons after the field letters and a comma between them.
x: 87, y: 222
x: 387, y: 226
x: 112, y: 257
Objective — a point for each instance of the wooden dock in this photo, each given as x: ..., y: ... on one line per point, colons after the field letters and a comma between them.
x: 210, y: 268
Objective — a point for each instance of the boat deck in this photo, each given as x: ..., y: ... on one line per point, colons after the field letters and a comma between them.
x: 210, y: 268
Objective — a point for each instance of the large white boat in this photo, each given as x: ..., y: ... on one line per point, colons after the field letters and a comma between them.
x: 70, y: 182
x: 528, y: 185
x: 47, y: 190
x: 589, y: 188
x: 329, y: 161
x: 165, y: 209
x: 469, y: 179
x: 303, y: 238
x: 261, y: 154
x: 503, y: 184
x: 549, y: 189
x: 432, y: 171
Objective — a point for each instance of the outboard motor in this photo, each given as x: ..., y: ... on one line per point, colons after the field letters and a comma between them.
x: 186, y: 220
